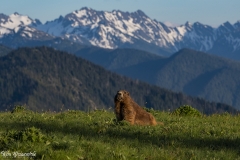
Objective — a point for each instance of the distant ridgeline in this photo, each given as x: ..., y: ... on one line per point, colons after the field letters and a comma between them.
x: 44, y: 78
x: 192, y: 72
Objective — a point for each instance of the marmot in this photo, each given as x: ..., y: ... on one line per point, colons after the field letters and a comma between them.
x: 127, y: 109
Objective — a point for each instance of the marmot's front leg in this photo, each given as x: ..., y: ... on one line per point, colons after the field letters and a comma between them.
x: 129, y: 115
x: 118, y: 111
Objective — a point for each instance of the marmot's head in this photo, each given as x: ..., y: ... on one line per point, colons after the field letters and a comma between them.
x: 120, y: 96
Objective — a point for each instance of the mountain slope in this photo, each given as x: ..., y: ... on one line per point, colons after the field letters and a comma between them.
x: 44, y: 78
x: 4, y: 50
x: 228, y: 45
x: 194, y: 73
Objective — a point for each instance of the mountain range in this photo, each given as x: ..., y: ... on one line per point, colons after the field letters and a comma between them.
x: 117, y: 29
x: 43, y: 78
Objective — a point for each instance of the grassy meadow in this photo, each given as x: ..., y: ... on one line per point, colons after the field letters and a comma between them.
x: 94, y: 135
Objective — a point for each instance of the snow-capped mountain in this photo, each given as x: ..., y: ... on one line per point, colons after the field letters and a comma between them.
x: 123, y: 29
x: 119, y: 29
x: 107, y: 29
x: 16, y: 29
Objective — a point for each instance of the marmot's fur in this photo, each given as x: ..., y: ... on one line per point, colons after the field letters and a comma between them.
x: 127, y: 109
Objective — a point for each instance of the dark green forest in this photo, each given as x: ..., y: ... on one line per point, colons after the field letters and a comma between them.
x: 43, y: 78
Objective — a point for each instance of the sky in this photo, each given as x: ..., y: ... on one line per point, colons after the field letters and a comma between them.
x: 175, y: 12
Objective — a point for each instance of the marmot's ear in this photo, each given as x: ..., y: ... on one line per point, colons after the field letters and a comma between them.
x: 127, y: 93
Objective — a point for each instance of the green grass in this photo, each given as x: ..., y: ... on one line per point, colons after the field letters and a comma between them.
x: 97, y: 135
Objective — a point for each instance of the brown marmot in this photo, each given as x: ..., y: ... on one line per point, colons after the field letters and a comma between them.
x: 127, y: 109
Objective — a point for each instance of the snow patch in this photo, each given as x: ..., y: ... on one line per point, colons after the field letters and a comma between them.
x: 4, y: 31
x: 28, y: 34
x: 182, y: 30
x: 119, y: 14
x: 15, y: 20
x: 16, y: 29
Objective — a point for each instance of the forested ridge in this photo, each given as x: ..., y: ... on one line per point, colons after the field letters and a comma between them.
x: 44, y: 78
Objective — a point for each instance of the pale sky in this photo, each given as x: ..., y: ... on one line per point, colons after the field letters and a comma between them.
x: 210, y: 12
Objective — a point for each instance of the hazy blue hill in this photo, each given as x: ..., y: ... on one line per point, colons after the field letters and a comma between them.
x: 225, y: 46
x: 44, y: 78
x: 4, y: 50
x: 187, y: 65
x: 54, y: 42
x: 192, y: 72
x: 115, y: 59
